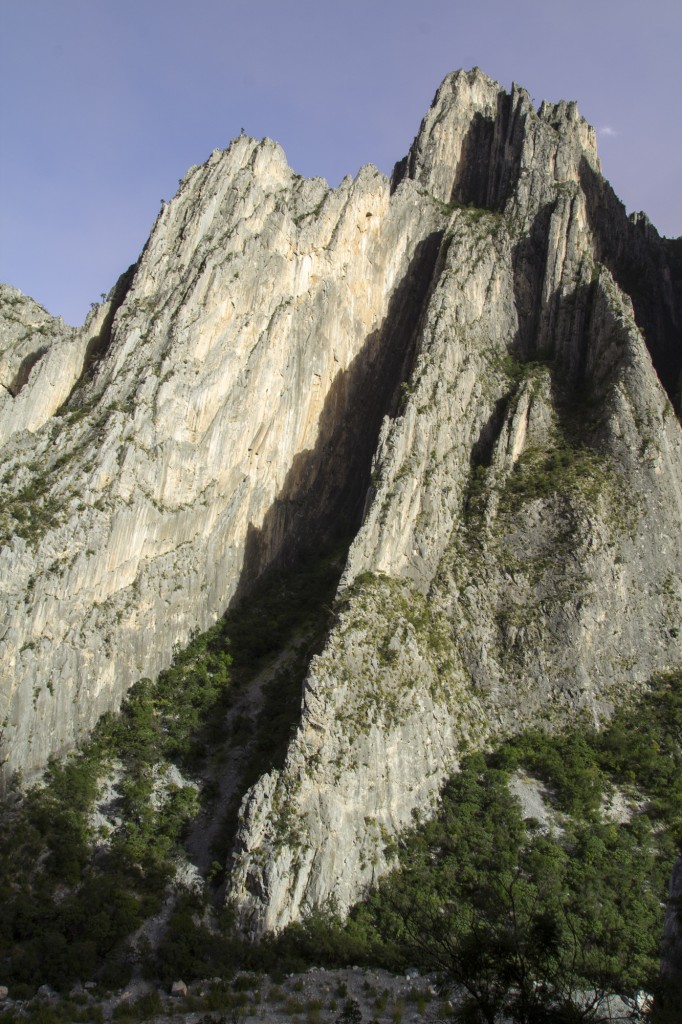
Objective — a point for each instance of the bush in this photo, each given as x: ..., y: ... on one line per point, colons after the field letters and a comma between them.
x: 520, y: 920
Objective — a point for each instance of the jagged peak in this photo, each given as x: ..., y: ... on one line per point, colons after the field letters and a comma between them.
x: 289, y: 365
x: 478, y: 139
x: 242, y: 151
x: 461, y: 82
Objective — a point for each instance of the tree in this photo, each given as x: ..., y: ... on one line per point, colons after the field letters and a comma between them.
x: 532, y: 927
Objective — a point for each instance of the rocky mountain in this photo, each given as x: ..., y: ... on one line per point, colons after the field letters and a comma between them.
x: 473, y: 368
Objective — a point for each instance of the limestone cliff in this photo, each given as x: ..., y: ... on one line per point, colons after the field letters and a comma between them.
x: 466, y: 367
x: 520, y: 556
x: 33, y: 345
x: 202, y: 420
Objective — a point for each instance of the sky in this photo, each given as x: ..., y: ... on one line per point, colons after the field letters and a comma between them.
x: 106, y: 103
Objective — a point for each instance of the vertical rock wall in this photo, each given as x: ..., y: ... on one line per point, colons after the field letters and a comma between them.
x: 520, y: 558
x: 464, y: 353
x: 226, y: 411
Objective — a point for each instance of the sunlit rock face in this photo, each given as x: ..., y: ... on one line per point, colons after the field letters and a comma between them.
x: 39, y: 347
x: 519, y: 560
x: 471, y: 368
x: 221, y: 406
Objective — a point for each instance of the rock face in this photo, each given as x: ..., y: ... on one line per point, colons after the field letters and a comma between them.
x: 453, y: 366
x: 206, y: 417
x: 35, y: 346
x: 520, y: 557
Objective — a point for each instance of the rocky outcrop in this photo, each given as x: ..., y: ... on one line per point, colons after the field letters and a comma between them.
x: 223, y: 404
x: 450, y: 367
x: 39, y: 347
x: 513, y: 567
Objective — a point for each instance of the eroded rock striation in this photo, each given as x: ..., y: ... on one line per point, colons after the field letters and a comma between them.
x: 472, y: 367
x: 519, y: 561
x: 205, y: 417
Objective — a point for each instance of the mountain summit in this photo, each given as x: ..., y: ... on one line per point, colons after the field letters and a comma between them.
x: 472, y: 369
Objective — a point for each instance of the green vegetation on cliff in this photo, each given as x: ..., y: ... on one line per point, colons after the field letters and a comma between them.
x: 77, y: 885
x: 522, y: 916
x: 527, y: 918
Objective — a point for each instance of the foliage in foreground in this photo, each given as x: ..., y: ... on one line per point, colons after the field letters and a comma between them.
x: 72, y: 898
x: 531, y: 924
x: 522, y: 920
x: 525, y: 921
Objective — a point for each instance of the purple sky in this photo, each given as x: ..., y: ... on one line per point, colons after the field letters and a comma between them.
x: 106, y: 103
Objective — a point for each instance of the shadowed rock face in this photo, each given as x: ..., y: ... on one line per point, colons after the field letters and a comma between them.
x: 222, y: 407
x: 671, y: 954
x: 452, y: 366
x: 515, y: 564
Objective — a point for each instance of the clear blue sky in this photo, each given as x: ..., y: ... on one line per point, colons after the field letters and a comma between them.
x: 106, y: 103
